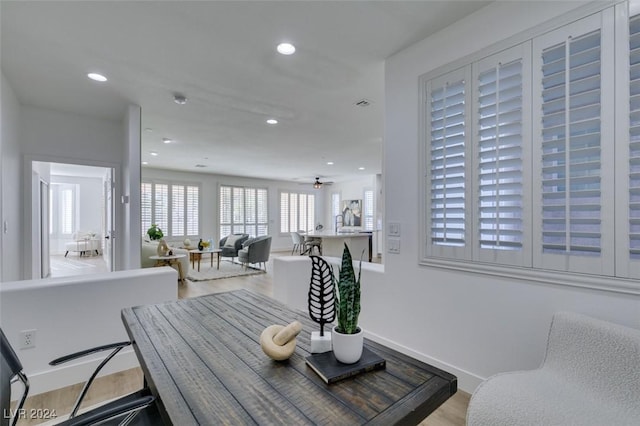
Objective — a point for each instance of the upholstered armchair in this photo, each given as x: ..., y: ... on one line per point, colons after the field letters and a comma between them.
x: 231, y: 244
x: 255, y: 250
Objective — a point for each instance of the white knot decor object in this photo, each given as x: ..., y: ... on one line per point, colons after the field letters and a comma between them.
x: 278, y: 341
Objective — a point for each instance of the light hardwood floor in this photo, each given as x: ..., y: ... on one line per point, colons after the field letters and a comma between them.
x: 451, y: 413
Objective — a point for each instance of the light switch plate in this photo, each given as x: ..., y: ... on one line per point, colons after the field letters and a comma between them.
x: 393, y: 245
x: 394, y: 229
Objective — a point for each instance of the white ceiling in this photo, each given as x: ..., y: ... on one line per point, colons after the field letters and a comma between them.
x: 221, y: 55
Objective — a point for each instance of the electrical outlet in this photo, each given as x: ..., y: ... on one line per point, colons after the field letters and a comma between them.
x: 27, y: 339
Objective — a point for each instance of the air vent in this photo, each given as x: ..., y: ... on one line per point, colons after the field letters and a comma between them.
x: 201, y: 165
x: 363, y: 103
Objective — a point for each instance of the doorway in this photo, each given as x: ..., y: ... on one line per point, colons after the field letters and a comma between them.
x: 79, y: 220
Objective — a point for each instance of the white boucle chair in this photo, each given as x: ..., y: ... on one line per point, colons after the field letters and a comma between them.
x: 590, y: 376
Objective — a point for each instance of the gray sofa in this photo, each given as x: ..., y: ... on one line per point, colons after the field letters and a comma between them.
x: 255, y: 250
x: 235, y: 245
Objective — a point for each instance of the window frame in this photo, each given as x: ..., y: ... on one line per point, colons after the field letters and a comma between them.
x: 168, y: 229
x: 615, y: 18
x: 243, y: 223
x: 298, y: 216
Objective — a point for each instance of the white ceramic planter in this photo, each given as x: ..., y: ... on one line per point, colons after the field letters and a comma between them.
x: 347, y: 348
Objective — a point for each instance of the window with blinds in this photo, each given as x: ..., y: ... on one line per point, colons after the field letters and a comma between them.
x: 500, y: 156
x: 297, y: 212
x: 555, y: 173
x: 173, y: 207
x: 64, y: 209
x: 447, y: 155
x: 335, y: 210
x: 243, y: 211
x: 146, y: 209
x: 571, y: 168
x: 367, y: 210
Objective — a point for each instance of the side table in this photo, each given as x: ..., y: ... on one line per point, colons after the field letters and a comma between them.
x: 169, y: 261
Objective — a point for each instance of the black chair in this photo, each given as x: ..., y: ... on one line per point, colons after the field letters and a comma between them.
x: 137, y: 408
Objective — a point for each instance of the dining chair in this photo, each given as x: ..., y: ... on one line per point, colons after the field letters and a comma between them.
x: 137, y: 408
x: 298, y: 242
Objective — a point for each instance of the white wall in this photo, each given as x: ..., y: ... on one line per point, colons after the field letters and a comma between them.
x: 57, y: 136
x: 477, y: 325
x: 209, y: 209
x: 71, y: 314
x: 10, y: 186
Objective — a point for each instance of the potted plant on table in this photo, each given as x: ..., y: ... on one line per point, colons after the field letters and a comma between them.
x: 155, y: 233
x: 347, y: 336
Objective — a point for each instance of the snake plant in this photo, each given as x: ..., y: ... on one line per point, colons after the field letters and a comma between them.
x: 349, y: 295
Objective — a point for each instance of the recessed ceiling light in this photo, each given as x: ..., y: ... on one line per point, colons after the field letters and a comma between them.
x: 286, y: 48
x: 179, y: 99
x: 272, y: 121
x: 144, y: 163
x: 360, y: 168
x: 148, y: 129
x: 155, y: 154
x: 97, y: 77
x: 166, y: 140
x: 329, y: 163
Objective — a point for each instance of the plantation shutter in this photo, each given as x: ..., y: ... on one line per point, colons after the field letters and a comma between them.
x: 303, y: 219
x: 293, y: 212
x: 311, y: 212
x: 237, y: 206
x: 335, y: 209
x: 225, y: 211
x: 573, y: 231
x: 145, y: 207
x: 192, y: 210
x: 250, y: 211
x: 447, y: 112
x: 177, y: 210
x: 263, y: 213
x: 284, y: 212
x: 161, y: 206
x: 501, y: 141
x: 367, y: 208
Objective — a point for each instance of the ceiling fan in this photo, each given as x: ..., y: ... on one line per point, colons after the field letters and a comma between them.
x: 317, y: 184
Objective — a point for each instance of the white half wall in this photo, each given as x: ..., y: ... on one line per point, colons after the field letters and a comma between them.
x: 476, y: 323
x: 70, y: 314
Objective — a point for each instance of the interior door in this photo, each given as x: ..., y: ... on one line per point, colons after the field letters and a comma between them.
x: 108, y: 226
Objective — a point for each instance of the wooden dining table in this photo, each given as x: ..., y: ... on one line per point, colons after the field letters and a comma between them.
x: 202, y: 359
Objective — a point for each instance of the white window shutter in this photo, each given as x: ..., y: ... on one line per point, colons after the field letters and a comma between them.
x: 447, y: 153
x: 177, y: 210
x: 145, y: 207
x: 502, y: 143
x: 193, y: 211
x: 575, y: 232
x: 161, y: 207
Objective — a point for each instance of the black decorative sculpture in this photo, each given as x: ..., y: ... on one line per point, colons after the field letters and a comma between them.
x: 322, y: 295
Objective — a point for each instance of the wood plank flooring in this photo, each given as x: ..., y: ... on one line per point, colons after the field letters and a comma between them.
x: 451, y: 413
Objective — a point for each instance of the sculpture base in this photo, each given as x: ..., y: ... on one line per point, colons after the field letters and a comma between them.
x: 320, y: 344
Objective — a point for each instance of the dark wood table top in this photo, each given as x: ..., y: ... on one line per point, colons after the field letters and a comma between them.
x: 202, y: 358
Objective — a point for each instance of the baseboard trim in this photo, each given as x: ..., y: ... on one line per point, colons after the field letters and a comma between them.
x: 60, y: 377
x: 467, y: 381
